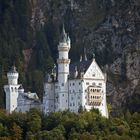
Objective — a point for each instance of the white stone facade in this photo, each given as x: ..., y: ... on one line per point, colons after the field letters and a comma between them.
x: 16, y: 98
x: 68, y: 87
x: 26, y: 101
x: 80, y: 84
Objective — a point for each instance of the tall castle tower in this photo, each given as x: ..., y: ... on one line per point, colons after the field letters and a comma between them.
x: 11, y: 90
x: 63, y: 71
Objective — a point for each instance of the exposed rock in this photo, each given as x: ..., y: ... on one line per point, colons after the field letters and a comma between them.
x: 109, y: 28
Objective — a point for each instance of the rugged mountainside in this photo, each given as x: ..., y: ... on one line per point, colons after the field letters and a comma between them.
x: 108, y: 28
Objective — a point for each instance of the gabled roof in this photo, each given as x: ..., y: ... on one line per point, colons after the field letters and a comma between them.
x: 94, y: 71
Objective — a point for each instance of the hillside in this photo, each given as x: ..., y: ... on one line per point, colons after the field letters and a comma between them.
x: 108, y: 28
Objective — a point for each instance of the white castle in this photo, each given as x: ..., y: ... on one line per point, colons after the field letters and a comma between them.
x: 68, y: 87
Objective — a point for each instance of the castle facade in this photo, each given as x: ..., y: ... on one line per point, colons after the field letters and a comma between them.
x: 68, y: 87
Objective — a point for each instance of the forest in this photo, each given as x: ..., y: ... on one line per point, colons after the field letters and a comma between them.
x: 66, y: 125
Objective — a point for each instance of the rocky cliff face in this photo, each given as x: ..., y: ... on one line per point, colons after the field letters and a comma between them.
x: 108, y: 28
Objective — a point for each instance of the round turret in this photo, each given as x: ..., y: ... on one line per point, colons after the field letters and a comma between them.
x: 12, y: 76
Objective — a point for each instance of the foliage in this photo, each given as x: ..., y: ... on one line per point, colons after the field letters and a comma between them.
x: 34, y: 125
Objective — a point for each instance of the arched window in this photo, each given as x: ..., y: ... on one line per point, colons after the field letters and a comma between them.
x: 12, y: 89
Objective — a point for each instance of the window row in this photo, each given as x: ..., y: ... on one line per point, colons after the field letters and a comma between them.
x: 71, y: 91
x: 95, y: 97
x: 72, y: 98
x: 95, y: 103
x: 14, y: 89
x: 87, y: 83
x: 73, y: 104
x: 74, y: 84
x: 95, y: 90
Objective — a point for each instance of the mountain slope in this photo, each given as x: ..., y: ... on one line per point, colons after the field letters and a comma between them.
x: 108, y: 28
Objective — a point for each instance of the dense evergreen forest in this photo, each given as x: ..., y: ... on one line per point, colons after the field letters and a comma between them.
x: 33, y: 125
x: 30, y: 31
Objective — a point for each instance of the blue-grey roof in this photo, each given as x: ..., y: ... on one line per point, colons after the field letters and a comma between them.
x: 81, y: 66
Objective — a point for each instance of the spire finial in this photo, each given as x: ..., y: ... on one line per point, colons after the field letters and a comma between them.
x: 63, y: 29
x: 75, y: 68
x: 93, y: 55
x: 85, y: 55
x: 80, y: 58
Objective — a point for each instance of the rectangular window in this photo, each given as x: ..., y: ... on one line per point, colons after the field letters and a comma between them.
x: 100, y: 84
x: 87, y: 83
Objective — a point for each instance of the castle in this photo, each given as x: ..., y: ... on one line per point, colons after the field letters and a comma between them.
x: 68, y: 87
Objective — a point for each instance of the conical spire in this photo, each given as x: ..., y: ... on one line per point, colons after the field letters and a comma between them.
x: 63, y: 35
